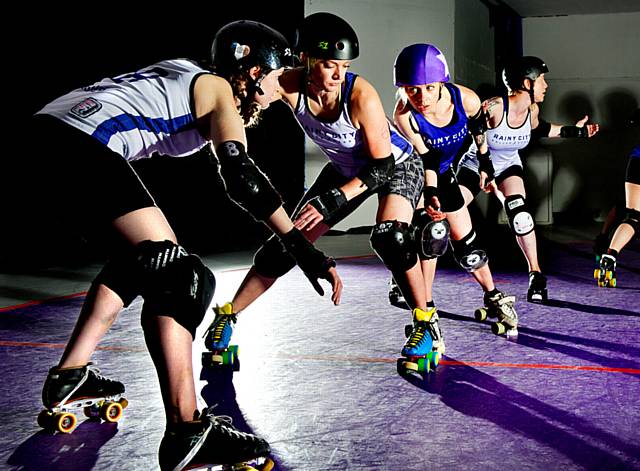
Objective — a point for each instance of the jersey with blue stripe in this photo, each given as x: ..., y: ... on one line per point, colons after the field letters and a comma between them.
x: 635, y: 153
x: 450, y: 140
x: 138, y: 114
x: 340, y: 140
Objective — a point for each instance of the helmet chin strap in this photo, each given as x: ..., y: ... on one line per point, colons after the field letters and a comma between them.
x: 531, y: 90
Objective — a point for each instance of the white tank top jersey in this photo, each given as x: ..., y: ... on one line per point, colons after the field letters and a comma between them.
x: 504, y: 143
x: 340, y: 140
x: 138, y: 114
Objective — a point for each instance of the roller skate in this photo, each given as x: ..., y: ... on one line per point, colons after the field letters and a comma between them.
x: 424, y: 346
x: 217, y: 339
x: 600, y: 246
x: 537, y: 292
x: 500, y: 307
x: 212, y: 442
x: 396, y: 298
x: 69, y: 389
x: 606, y: 272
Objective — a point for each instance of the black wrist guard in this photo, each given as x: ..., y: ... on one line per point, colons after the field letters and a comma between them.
x: 574, y: 131
x: 311, y: 261
x: 246, y: 185
x: 485, y: 165
x: 377, y: 172
x: 329, y: 203
x: 429, y: 192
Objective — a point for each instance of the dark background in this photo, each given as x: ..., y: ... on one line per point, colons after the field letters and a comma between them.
x: 56, y: 51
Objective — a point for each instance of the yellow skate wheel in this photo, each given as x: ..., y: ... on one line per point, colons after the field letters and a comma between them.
x: 409, y: 365
x: 596, y: 273
x: 608, y: 275
x: 267, y: 465
x: 64, y: 422
x: 498, y: 328
x: 123, y: 402
x: 480, y: 314
x: 111, y: 411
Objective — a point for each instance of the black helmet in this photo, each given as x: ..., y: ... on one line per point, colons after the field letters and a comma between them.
x: 327, y: 36
x: 244, y: 44
x: 521, y: 68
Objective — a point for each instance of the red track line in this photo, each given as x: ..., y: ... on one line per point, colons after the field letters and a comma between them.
x: 485, y: 364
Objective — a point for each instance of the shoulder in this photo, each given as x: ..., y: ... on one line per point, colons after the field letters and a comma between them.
x: 210, y: 91
x: 290, y: 82
x: 364, y: 97
x: 470, y: 99
x: 493, y: 106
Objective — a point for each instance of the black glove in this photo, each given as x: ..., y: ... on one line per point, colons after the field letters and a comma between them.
x: 329, y: 203
x: 311, y: 261
x: 429, y: 192
x: 486, y: 166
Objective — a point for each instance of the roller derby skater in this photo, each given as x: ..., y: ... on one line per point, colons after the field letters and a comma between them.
x: 82, y: 388
x: 212, y: 442
x: 537, y: 292
x: 424, y: 346
x: 501, y: 307
x: 512, y: 121
x: 217, y: 339
x: 629, y: 228
x: 208, y: 108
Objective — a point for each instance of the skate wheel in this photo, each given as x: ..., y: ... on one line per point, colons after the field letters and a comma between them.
x: 411, y: 366
x: 498, y: 328
x: 613, y: 282
x: 407, y: 330
x: 92, y: 411
x: 64, y: 422
x: 435, y: 359
x: 44, y: 419
x: 480, y: 314
x: 596, y: 273
x: 608, y: 275
x: 123, y: 402
x: 111, y: 411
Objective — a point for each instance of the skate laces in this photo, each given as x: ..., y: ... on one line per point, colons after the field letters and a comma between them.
x: 224, y: 424
x: 224, y: 316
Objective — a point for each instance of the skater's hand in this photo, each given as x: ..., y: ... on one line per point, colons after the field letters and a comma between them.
x: 336, y: 284
x: 592, y: 129
x: 308, y: 218
x: 487, y: 183
x: 433, y: 210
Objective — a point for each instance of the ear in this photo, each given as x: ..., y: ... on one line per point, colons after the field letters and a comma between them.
x: 527, y: 83
x: 254, y: 72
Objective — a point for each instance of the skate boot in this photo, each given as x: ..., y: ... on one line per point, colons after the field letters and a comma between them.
x: 606, y: 272
x: 425, y: 344
x: 537, y: 292
x: 212, y: 442
x: 600, y: 246
x: 501, y: 307
x: 68, y: 389
x: 396, y: 298
x: 217, y: 338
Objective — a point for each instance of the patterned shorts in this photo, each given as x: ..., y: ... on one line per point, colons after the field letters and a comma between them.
x: 407, y: 180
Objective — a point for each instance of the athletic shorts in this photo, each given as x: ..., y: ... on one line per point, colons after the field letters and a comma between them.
x: 80, y: 178
x: 449, y: 193
x: 633, y: 170
x: 471, y: 180
x: 407, y: 181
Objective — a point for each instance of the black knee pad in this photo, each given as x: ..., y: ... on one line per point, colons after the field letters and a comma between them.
x: 467, y: 252
x: 632, y: 218
x: 272, y: 259
x: 393, y: 242
x: 432, y: 237
x: 520, y: 217
x: 122, y: 275
x: 176, y: 284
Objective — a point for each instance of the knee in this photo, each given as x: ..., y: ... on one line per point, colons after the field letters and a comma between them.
x: 520, y: 218
x: 467, y: 252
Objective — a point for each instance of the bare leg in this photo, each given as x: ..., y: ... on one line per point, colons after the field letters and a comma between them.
x: 624, y: 233
x: 429, y: 275
x: 515, y: 186
x: 394, y: 207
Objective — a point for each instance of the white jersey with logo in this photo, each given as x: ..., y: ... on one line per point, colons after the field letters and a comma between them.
x: 504, y: 143
x: 340, y: 140
x: 138, y: 114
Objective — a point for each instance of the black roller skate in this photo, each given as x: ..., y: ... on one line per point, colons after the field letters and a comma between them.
x: 606, y: 272
x: 396, y: 298
x: 425, y: 345
x: 217, y: 338
x: 501, y: 307
x: 537, y: 292
x: 213, y: 443
x: 68, y: 389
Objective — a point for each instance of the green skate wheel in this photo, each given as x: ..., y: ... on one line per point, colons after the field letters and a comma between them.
x: 613, y: 282
x: 227, y: 357
x: 498, y: 328
x: 435, y: 359
x: 480, y: 314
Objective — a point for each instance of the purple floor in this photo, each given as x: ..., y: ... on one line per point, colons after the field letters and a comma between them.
x: 320, y: 382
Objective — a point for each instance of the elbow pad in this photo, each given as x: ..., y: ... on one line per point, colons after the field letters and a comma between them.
x: 573, y: 131
x: 478, y: 123
x: 246, y: 185
x: 542, y: 130
x: 377, y: 172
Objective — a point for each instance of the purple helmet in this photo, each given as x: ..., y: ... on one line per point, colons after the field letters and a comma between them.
x: 420, y: 64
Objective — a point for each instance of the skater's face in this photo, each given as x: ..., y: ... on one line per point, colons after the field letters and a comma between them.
x: 423, y: 97
x: 270, y: 88
x: 327, y: 75
x: 539, y: 88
